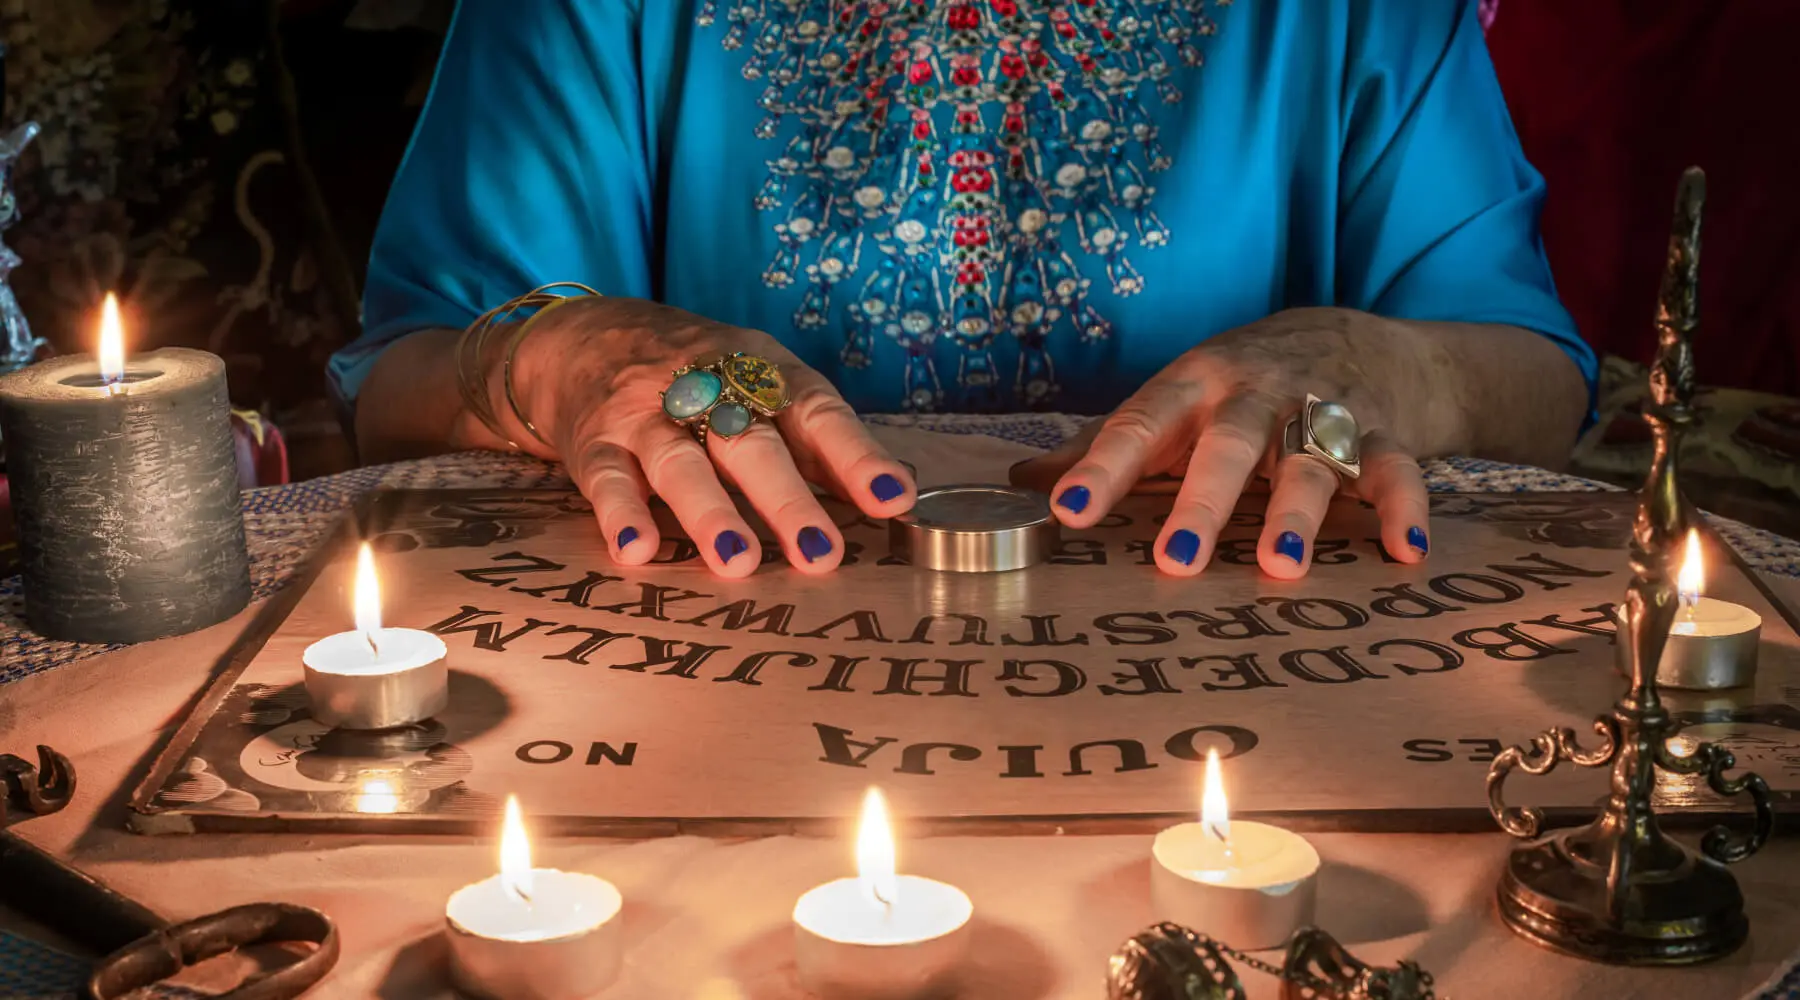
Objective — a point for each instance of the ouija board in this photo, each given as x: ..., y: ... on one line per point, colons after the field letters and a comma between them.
x: 1077, y: 695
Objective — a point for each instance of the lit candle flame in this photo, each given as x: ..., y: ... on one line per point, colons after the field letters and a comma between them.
x: 367, y: 597
x: 1215, y: 813
x: 875, y: 850
x: 377, y: 796
x: 1691, y: 580
x: 515, y: 852
x: 112, y: 345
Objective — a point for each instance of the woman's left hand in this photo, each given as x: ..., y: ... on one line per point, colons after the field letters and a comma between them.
x: 1215, y: 417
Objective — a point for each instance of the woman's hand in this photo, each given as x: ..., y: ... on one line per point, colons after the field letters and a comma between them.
x: 1215, y: 416
x: 590, y: 375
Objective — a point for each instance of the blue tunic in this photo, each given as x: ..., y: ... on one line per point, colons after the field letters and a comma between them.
x: 1354, y: 153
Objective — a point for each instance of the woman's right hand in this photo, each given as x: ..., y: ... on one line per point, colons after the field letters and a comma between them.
x: 590, y: 375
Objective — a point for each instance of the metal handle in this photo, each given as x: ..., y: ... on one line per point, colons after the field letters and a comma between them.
x: 1719, y: 844
x: 163, y: 954
x: 1548, y: 748
x: 40, y: 790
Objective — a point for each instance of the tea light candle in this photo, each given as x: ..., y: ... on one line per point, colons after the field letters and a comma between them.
x: 374, y: 677
x: 1712, y: 643
x: 533, y: 933
x: 124, y: 488
x: 1250, y: 885
x: 880, y: 935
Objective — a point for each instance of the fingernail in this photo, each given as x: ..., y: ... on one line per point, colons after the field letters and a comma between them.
x: 1182, y: 547
x: 627, y: 536
x: 729, y: 545
x: 1291, y: 545
x: 814, y: 544
x: 1415, y: 537
x: 1074, y: 499
x: 885, y: 488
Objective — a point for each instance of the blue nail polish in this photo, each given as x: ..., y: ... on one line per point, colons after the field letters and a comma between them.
x: 1291, y: 545
x: 814, y: 544
x: 1415, y: 537
x: 729, y: 545
x: 1074, y: 499
x: 1182, y: 547
x: 886, y: 487
x: 627, y: 536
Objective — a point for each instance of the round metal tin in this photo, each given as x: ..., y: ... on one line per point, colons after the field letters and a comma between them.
x: 975, y: 529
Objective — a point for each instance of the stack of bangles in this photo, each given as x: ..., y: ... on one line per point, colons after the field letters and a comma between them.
x: 472, y: 346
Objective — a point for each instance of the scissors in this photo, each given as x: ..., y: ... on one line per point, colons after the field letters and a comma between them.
x: 143, y: 948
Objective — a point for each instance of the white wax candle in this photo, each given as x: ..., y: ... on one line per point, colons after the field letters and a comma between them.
x: 1710, y: 616
x: 880, y: 935
x: 562, y: 944
x: 850, y: 944
x: 383, y: 651
x: 1251, y: 887
x: 1712, y: 644
x: 377, y: 679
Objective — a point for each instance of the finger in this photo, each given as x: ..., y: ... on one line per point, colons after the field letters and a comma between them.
x: 759, y: 463
x: 680, y: 472
x: 819, y: 425
x: 1147, y: 425
x: 1302, y: 490
x: 1392, y: 481
x: 1224, y: 458
x: 610, y: 478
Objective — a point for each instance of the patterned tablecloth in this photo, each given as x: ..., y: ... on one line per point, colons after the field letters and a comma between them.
x: 285, y: 523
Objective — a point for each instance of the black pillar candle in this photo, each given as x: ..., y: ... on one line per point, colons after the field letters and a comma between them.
x: 125, y: 495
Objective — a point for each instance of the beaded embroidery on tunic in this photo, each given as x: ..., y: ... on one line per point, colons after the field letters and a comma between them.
x: 951, y: 158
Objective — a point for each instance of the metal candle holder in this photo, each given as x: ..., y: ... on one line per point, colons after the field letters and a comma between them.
x: 1618, y: 890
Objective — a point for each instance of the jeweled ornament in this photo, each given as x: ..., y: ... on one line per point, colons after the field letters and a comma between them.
x: 1335, y: 430
x: 759, y: 381
x: 729, y: 419
x: 691, y: 394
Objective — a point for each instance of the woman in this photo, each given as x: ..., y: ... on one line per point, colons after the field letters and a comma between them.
x: 1191, y: 215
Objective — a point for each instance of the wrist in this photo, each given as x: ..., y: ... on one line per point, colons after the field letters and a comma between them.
x: 599, y: 347
x: 1404, y: 370
x: 1415, y: 380
x: 1434, y: 394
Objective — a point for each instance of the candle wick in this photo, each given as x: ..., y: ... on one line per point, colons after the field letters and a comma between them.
x: 374, y: 650
x: 880, y: 897
x: 1218, y: 832
x: 115, y: 387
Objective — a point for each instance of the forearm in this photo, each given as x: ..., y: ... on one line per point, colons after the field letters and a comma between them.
x: 410, y: 406
x: 1506, y: 394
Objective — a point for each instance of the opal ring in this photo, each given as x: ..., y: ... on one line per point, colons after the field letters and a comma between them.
x: 724, y: 393
x: 1325, y: 431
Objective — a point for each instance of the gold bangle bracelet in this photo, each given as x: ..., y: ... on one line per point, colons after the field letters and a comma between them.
x: 472, y: 347
x: 519, y: 334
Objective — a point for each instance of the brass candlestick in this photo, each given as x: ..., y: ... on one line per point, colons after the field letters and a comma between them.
x: 1617, y: 889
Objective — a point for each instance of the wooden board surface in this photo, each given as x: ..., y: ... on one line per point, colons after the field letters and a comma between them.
x: 1077, y: 695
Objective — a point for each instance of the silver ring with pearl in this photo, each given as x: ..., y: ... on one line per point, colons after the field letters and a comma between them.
x: 724, y: 394
x: 1328, y: 432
